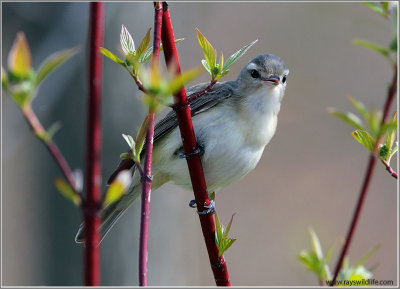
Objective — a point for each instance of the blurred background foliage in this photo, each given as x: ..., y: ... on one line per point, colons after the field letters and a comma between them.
x: 309, y: 174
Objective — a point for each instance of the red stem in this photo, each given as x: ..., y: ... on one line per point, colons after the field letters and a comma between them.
x: 182, y: 109
x: 93, y: 168
x: 367, y: 179
x: 146, y: 176
x: 389, y: 169
x: 204, y: 91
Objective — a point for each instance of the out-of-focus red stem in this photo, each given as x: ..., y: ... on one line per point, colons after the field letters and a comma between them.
x: 93, y: 146
x: 367, y: 179
x: 182, y: 109
x: 147, y: 177
x: 39, y: 131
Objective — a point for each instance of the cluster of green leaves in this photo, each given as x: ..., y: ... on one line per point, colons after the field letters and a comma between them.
x: 388, y: 10
x: 369, y: 134
x: 21, y: 81
x: 214, y: 68
x: 134, y: 58
x: 222, y: 240
x: 136, y: 146
x: 315, y: 261
x: 357, y: 272
x: 159, y: 89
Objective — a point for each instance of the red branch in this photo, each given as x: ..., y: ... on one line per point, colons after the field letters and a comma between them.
x: 182, y: 109
x: 367, y: 179
x: 389, y: 169
x: 204, y: 91
x: 93, y: 169
x: 146, y: 177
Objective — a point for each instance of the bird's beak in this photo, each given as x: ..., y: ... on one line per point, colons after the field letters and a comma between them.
x: 272, y: 80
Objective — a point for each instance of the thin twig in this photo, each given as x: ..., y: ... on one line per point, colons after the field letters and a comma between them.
x: 389, y: 169
x: 367, y: 179
x: 201, y: 93
x: 218, y: 265
x: 92, y: 205
x: 40, y: 132
x: 146, y: 174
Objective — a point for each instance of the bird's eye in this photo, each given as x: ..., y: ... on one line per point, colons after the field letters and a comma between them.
x: 284, y: 79
x: 254, y: 73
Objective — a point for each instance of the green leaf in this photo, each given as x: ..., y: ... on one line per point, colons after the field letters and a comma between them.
x: 391, y: 132
x: 111, y: 56
x: 359, y: 106
x: 219, y: 230
x: 125, y: 156
x: 130, y: 141
x: 364, y: 138
x: 381, y: 50
x: 144, y: 44
x: 53, y: 129
x: 392, y: 152
x: 226, y: 244
x: 367, y: 256
x: 66, y: 190
x: 211, y: 196
x: 374, y: 121
x: 236, y: 56
x: 310, y: 261
x: 316, y: 244
x: 126, y: 40
x: 141, y: 137
x: 375, y: 6
x: 178, y: 82
x: 221, y: 236
x: 133, y: 61
x: 348, y: 117
x: 118, y: 187
x: 19, y: 58
x: 52, y: 62
x: 205, y: 64
x: 393, y: 44
x: 149, y: 52
x: 384, y: 152
x: 228, y: 228
x: 208, y: 50
x: 388, y: 127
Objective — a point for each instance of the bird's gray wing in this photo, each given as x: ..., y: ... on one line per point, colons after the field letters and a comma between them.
x: 219, y: 92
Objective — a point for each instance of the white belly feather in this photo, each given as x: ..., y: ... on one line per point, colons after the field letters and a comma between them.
x: 233, y: 142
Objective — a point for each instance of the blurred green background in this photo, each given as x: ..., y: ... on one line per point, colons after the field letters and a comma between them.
x: 310, y: 173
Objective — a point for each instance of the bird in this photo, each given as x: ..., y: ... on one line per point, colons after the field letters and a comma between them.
x: 233, y: 123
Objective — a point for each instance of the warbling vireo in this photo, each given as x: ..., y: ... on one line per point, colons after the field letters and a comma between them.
x: 233, y: 123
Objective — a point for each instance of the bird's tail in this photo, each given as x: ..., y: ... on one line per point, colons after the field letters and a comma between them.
x: 112, y: 213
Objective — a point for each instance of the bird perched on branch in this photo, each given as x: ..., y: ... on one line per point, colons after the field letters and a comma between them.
x: 233, y: 122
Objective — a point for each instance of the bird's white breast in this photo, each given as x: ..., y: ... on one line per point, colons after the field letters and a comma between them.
x: 233, y: 140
